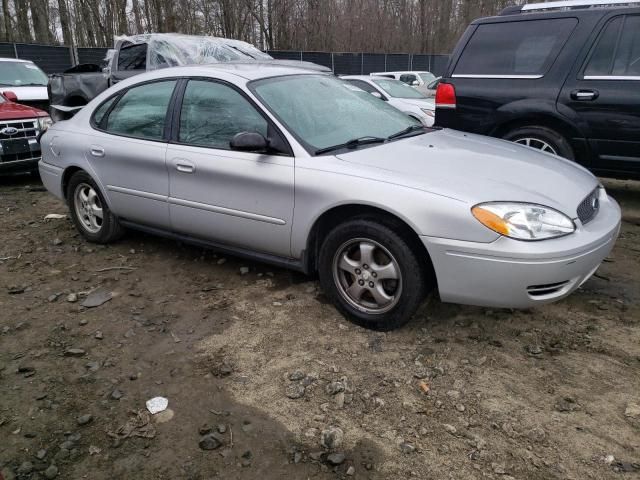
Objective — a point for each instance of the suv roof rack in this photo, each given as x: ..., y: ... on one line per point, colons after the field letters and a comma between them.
x: 567, y: 5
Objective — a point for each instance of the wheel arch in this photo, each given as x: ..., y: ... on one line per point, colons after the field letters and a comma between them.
x: 66, y: 177
x: 71, y: 170
x: 568, y: 131
x: 76, y: 100
x: 338, y: 214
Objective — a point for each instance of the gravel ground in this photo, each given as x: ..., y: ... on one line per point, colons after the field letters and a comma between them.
x: 265, y: 380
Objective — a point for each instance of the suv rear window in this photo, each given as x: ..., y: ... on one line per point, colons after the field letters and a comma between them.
x: 523, y: 48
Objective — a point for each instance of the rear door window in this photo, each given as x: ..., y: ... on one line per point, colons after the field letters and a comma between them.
x: 141, y: 112
x: 514, y: 49
x: 617, y: 50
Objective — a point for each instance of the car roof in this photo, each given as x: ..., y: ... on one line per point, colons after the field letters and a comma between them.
x: 511, y: 14
x: 249, y: 70
x: 20, y: 60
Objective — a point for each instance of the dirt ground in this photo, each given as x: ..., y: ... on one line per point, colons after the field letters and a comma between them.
x: 260, y: 369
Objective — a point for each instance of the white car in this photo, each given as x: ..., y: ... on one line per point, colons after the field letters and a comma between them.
x: 406, y: 99
x: 26, y: 80
x: 415, y: 79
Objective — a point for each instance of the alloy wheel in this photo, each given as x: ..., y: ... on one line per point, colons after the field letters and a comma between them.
x: 536, y: 143
x: 367, y: 276
x: 88, y: 207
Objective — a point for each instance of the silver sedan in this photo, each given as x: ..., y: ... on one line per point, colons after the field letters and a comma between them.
x: 302, y: 170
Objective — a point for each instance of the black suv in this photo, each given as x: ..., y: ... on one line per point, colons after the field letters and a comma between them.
x: 563, y: 77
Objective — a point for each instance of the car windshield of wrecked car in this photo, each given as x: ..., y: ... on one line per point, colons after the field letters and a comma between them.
x: 19, y: 74
x: 322, y: 111
x: 397, y: 89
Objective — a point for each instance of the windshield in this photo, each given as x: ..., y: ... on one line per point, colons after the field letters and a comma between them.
x: 18, y: 74
x: 427, y: 77
x: 397, y: 89
x: 322, y: 111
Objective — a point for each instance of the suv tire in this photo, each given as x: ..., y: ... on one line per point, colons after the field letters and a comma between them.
x: 86, y: 204
x: 536, y: 136
x: 354, y: 258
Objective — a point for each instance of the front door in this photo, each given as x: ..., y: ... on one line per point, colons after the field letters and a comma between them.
x: 606, y: 96
x: 241, y: 199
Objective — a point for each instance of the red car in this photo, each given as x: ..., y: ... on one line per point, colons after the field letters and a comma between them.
x: 20, y: 127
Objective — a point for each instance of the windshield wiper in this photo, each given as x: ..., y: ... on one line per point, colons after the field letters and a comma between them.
x: 406, y: 131
x: 354, y: 143
x: 30, y: 85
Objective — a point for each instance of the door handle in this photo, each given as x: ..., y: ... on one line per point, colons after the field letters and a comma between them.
x: 185, y: 167
x: 96, y: 151
x: 584, y: 95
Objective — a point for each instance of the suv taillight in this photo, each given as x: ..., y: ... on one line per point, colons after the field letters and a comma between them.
x: 445, y: 96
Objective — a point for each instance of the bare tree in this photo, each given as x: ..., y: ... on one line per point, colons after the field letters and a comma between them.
x: 406, y: 26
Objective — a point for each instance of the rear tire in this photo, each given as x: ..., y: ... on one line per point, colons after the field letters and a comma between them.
x: 90, y: 212
x: 372, y: 274
x: 542, y: 138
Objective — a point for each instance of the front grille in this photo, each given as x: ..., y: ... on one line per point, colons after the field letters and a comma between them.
x: 16, y: 157
x: 40, y: 104
x: 589, y: 207
x: 26, y: 129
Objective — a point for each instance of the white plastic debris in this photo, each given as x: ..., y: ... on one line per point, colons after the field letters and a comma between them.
x: 173, y: 49
x: 157, y: 405
x: 55, y: 216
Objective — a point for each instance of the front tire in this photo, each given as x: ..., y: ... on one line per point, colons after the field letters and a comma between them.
x: 541, y: 138
x: 90, y: 212
x: 372, y: 274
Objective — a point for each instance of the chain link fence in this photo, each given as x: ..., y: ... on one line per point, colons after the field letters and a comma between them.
x: 56, y: 59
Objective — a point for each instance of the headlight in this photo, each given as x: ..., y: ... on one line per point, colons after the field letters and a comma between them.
x: 430, y: 113
x: 523, y: 221
x: 44, y: 123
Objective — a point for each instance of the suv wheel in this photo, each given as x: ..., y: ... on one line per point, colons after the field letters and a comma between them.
x: 541, y: 138
x: 371, y: 274
x: 89, y: 211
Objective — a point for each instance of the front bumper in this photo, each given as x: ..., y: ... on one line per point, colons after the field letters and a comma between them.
x: 22, y: 159
x: 516, y: 274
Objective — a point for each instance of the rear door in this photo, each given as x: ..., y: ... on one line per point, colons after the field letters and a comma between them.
x: 606, y: 96
x: 127, y: 151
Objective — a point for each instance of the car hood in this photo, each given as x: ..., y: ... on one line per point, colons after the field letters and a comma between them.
x: 474, y: 169
x: 419, y: 102
x: 15, y: 111
x: 28, y: 93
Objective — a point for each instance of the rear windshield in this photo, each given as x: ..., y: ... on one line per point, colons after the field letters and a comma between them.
x: 524, y: 48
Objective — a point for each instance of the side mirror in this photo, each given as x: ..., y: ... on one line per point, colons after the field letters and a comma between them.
x: 415, y: 83
x: 249, y: 142
x: 376, y: 94
x: 12, y: 97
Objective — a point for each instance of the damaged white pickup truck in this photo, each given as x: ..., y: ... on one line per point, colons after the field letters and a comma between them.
x: 132, y: 55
